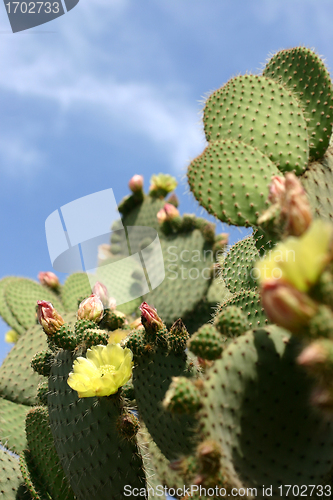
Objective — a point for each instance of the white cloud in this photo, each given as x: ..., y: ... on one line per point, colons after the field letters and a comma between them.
x: 67, y: 70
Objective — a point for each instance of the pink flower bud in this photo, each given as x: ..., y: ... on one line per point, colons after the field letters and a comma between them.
x: 296, y: 206
x: 168, y: 213
x: 150, y: 318
x: 48, y: 317
x: 277, y: 189
x: 101, y: 292
x: 112, y: 304
x: 286, y: 306
x: 49, y: 279
x: 161, y: 216
x: 314, y: 354
x: 136, y: 183
x: 91, y: 308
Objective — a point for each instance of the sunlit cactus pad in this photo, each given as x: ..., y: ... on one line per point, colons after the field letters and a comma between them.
x: 263, y: 114
x: 230, y: 180
x: 12, y: 425
x: 303, y: 71
x: 318, y: 182
x: 22, y: 295
x: 5, y: 310
x: 18, y: 381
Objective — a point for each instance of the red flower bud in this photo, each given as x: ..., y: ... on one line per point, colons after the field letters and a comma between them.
x: 48, y: 317
x: 101, y: 292
x: 150, y: 318
x: 286, y: 306
x: 91, y: 308
x: 49, y: 279
x: 136, y: 183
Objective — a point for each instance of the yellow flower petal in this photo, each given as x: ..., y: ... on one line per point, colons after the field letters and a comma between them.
x: 299, y: 261
x: 105, y: 369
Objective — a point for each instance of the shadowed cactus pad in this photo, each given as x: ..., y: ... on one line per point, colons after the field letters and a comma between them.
x: 12, y: 486
x: 305, y: 73
x: 268, y: 432
x: 230, y: 180
x: 263, y: 114
x: 97, y: 461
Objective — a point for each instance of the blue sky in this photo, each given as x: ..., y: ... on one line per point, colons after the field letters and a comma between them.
x: 116, y: 87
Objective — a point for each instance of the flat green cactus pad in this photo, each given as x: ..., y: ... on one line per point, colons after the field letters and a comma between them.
x: 18, y: 381
x: 173, y: 434
x: 22, y: 296
x: 76, y: 287
x: 145, y: 214
x: 187, y: 261
x: 304, y: 72
x: 256, y: 407
x: 249, y: 302
x: 318, y: 183
x: 12, y: 486
x: 262, y: 113
x: 5, y: 311
x: 12, y: 425
x: 230, y: 179
x: 238, y: 263
x: 43, y: 455
x: 98, y: 462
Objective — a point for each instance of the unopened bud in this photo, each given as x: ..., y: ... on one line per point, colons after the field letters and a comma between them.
x: 286, y: 306
x: 112, y: 304
x: 167, y: 213
x: 149, y: 318
x: 48, y: 317
x: 317, y: 358
x: 91, y: 308
x: 136, y: 183
x: 296, y: 206
x: 49, y: 279
x: 277, y: 189
x: 101, y: 292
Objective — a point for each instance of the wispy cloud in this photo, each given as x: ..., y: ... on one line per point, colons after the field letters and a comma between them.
x: 53, y: 70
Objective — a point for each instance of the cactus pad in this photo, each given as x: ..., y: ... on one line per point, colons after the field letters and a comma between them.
x: 256, y: 406
x: 12, y: 425
x: 5, y: 311
x: 18, y: 381
x: 22, y: 296
x: 263, y: 114
x: 306, y: 74
x: 230, y: 180
x: 98, y: 464
x: 238, y: 263
x: 249, y: 303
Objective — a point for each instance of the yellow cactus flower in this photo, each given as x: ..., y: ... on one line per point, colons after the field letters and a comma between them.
x: 117, y: 336
x: 298, y: 261
x: 11, y: 336
x: 102, y: 372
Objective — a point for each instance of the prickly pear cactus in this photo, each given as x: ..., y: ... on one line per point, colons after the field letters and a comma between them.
x: 223, y: 377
